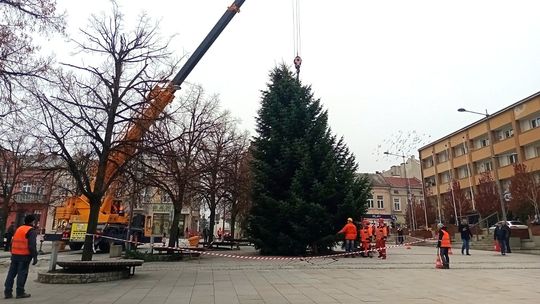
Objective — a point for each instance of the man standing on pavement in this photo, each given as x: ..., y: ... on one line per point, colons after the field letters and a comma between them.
x: 351, y: 234
x: 9, y: 235
x: 508, y: 234
x: 499, y: 235
x: 381, y: 233
x: 466, y: 236
x: 444, y: 244
x: 23, y: 251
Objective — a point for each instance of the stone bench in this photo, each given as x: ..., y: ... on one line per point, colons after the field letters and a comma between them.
x: 188, y: 252
x: 99, y: 266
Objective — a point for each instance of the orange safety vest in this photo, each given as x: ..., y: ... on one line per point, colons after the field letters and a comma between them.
x: 350, y: 231
x: 445, y: 241
x: 19, y: 243
x: 365, y: 234
x: 381, y: 232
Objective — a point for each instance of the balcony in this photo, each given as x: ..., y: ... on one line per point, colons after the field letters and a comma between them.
x: 429, y: 171
x: 460, y: 160
x: 481, y: 153
x: 29, y: 198
x: 504, y: 145
x: 506, y: 172
x: 529, y: 136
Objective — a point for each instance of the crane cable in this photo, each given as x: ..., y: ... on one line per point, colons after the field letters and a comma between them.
x: 297, y: 39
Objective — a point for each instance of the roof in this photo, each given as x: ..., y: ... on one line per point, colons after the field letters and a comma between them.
x: 401, y: 182
x: 481, y: 120
x: 378, y: 180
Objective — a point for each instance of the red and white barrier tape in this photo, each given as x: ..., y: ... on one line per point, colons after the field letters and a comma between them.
x: 272, y: 258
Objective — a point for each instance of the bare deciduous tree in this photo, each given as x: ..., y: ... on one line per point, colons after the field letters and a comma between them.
x: 96, y: 114
x: 172, y: 164
x: 19, y: 61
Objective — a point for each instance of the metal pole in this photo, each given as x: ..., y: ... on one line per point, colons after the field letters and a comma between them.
x: 469, y: 173
x: 495, y: 169
x: 409, y: 201
x: 452, y: 185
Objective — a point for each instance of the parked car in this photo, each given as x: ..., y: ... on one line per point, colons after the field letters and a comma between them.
x: 511, y: 224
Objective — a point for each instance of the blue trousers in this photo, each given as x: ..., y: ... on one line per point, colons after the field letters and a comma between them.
x: 18, y: 268
x: 465, y: 246
x: 502, y: 244
x: 349, y: 245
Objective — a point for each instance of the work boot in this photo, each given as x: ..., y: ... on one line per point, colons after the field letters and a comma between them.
x: 8, y: 295
x: 24, y: 295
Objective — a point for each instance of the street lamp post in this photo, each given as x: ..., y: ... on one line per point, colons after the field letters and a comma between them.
x: 495, y: 167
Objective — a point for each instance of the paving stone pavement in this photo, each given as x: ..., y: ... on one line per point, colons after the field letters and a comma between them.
x: 407, y: 276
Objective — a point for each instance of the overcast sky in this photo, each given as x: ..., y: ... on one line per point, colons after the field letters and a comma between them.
x: 381, y: 68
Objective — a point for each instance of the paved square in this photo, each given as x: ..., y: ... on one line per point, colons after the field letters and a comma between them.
x: 407, y: 276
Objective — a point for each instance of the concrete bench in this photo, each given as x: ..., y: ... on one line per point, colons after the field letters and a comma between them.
x: 188, y: 252
x: 100, y: 266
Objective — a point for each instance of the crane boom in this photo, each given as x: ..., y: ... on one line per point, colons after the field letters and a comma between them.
x: 77, y: 208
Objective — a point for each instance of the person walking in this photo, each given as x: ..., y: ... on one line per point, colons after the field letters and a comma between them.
x: 23, y: 251
x: 381, y: 233
x: 466, y: 236
x: 499, y: 235
x: 444, y: 244
x: 508, y: 234
x: 351, y: 233
x: 9, y: 235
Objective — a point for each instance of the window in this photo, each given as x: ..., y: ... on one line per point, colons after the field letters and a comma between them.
x: 396, y: 192
x: 535, y: 122
x: 508, y: 159
x: 429, y: 181
x: 370, y: 203
x: 442, y: 157
x: 26, y: 187
x: 445, y: 177
x: 397, y: 204
x: 481, y: 142
x: 462, y: 172
x: 380, y: 202
x: 165, y: 198
x: 532, y: 151
x: 505, y: 133
x: 483, y: 166
x: 428, y: 162
x: 459, y: 150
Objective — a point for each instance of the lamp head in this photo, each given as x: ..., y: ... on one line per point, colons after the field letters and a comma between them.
x: 386, y: 152
x: 461, y: 110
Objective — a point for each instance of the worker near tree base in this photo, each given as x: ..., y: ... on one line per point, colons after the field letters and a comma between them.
x: 23, y: 251
x: 365, y: 239
x: 381, y: 233
x: 351, y: 233
x: 444, y: 244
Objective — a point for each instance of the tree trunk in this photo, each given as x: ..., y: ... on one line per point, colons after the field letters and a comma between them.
x: 212, y: 224
x: 233, y: 223
x: 174, y: 231
x: 88, y: 249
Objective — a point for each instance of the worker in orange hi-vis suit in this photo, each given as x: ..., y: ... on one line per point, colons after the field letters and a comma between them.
x: 350, y: 235
x: 381, y: 233
x: 365, y: 239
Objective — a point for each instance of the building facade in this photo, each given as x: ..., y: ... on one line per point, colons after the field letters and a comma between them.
x: 389, y: 198
x: 490, y: 145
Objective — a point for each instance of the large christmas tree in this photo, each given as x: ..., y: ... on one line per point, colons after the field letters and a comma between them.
x: 305, y: 185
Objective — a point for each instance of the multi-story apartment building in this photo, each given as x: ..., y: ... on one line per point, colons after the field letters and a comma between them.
x: 389, y: 197
x: 491, y: 144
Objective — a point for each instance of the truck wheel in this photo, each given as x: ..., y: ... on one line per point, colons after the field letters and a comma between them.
x: 75, y: 246
x: 104, y: 246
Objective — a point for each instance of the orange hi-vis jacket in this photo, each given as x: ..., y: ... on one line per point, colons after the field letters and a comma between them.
x: 19, y: 243
x: 350, y: 231
x: 365, y: 234
x: 381, y: 232
x: 445, y: 241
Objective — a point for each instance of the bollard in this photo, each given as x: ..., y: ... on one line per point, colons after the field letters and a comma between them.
x: 54, y: 255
